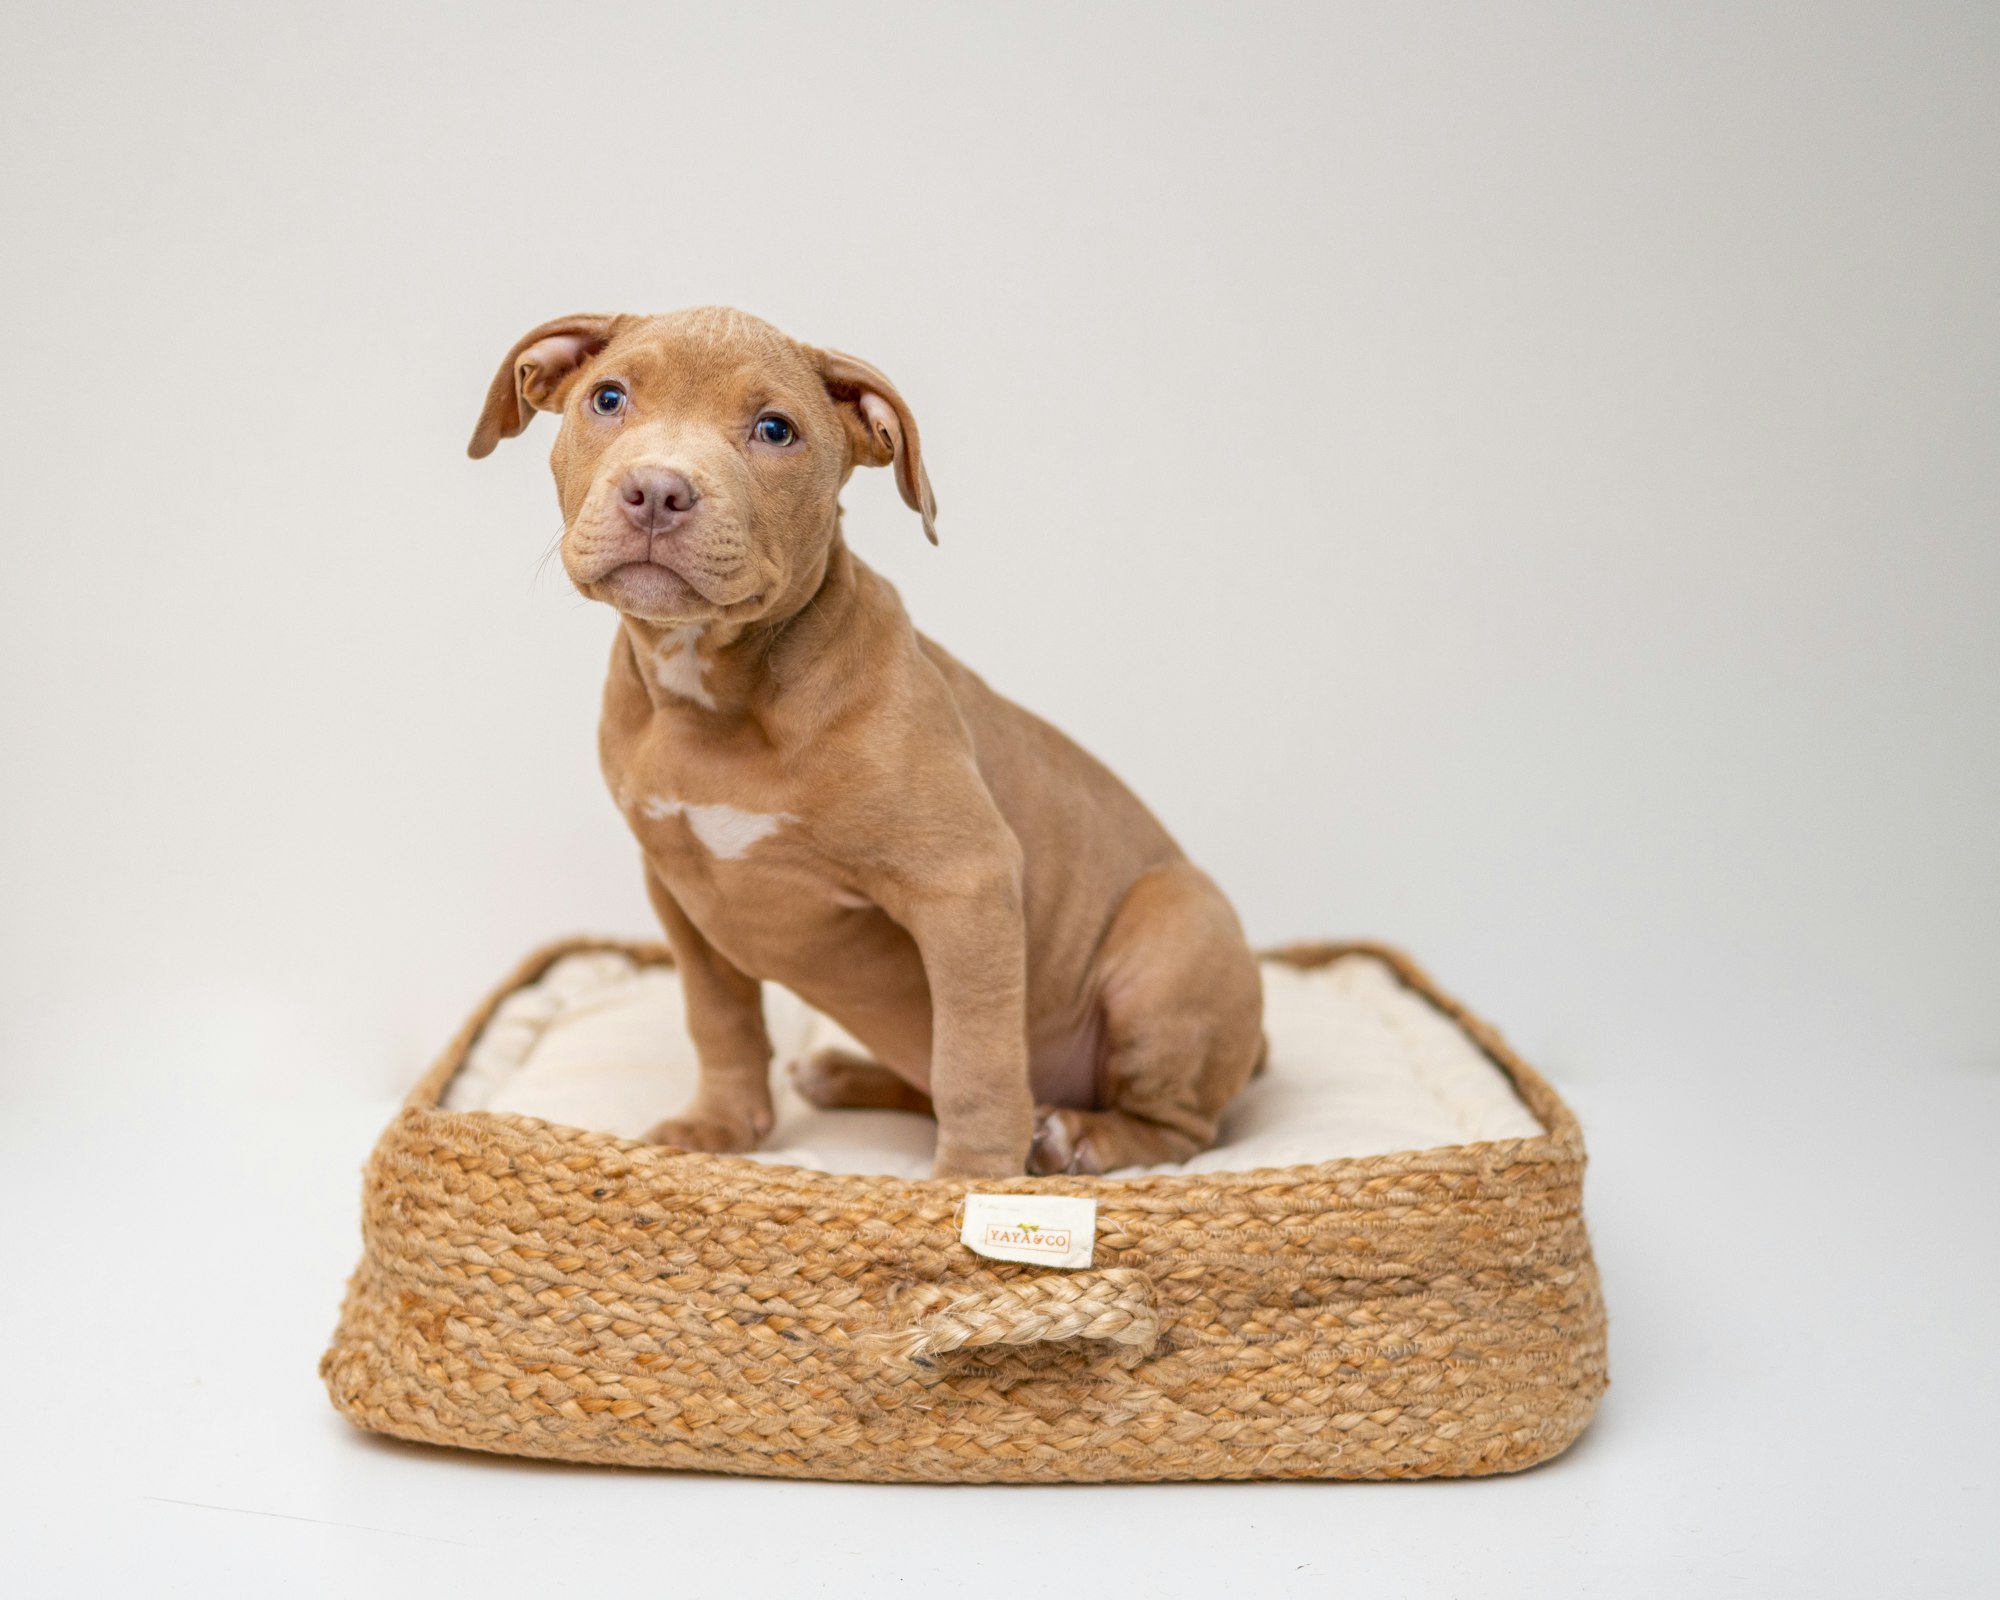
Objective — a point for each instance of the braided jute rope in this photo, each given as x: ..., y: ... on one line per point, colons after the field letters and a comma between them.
x: 542, y: 1291
x: 1116, y: 1305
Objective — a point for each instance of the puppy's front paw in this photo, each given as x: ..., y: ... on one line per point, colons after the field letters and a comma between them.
x: 956, y: 1161
x: 714, y: 1135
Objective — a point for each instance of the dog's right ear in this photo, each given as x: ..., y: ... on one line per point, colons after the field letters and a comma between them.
x: 536, y: 376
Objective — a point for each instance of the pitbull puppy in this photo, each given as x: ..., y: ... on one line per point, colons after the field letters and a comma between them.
x: 827, y: 800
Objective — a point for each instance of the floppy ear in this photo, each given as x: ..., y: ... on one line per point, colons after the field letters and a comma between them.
x: 536, y: 375
x: 882, y: 430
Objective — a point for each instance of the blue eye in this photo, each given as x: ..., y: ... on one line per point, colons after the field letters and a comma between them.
x: 775, y: 430
x: 607, y: 400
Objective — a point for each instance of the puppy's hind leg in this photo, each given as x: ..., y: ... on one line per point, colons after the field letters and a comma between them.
x: 1183, y: 1026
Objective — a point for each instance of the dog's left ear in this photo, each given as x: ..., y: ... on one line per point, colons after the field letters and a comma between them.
x: 536, y: 375
x: 881, y: 429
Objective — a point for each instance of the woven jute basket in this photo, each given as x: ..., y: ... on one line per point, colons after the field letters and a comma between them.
x: 542, y: 1291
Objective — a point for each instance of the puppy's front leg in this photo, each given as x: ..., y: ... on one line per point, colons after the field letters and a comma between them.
x: 974, y: 948
x: 725, y: 1014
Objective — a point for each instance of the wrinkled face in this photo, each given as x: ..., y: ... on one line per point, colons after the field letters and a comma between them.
x: 701, y: 457
x: 698, y: 469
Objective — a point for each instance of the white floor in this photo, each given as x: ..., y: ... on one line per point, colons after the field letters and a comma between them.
x: 1803, y: 1397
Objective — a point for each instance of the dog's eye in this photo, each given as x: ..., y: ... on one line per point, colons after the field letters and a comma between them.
x: 775, y: 430
x: 607, y: 400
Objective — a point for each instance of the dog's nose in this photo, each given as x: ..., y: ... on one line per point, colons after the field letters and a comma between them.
x: 656, y: 499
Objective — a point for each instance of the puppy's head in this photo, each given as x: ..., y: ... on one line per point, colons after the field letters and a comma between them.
x: 701, y: 456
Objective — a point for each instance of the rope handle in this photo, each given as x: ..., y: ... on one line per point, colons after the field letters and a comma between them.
x: 1114, y: 1305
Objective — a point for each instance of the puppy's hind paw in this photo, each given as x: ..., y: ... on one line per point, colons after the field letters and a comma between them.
x: 835, y: 1079
x: 1061, y: 1143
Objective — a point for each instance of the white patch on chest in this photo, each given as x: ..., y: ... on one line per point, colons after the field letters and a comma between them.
x: 677, y: 666
x: 723, y: 831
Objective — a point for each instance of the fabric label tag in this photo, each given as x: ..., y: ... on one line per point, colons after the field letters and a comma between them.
x: 1048, y: 1230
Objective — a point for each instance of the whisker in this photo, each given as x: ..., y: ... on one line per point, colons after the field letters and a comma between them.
x: 542, y: 563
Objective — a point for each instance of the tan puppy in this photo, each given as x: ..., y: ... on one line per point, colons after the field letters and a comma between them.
x: 827, y: 800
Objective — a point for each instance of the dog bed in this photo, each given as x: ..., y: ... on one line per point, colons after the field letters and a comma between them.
x: 1380, y: 1271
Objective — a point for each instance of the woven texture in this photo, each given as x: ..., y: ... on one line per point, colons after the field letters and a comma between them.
x: 1051, y: 1308
x: 541, y: 1291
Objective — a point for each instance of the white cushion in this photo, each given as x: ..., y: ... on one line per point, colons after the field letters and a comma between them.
x: 1359, y: 1066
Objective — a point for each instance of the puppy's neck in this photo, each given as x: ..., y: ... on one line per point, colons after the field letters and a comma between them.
x: 735, y: 670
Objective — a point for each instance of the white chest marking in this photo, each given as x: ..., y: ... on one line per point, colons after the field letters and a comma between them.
x: 724, y: 832
x: 677, y: 667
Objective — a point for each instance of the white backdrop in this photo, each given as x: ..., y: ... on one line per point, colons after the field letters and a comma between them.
x: 1517, y: 481
x: 1522, y: 487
